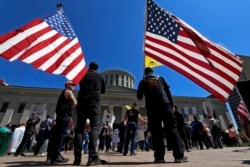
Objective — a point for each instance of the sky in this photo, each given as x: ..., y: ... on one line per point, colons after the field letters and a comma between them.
x: 111, y: 33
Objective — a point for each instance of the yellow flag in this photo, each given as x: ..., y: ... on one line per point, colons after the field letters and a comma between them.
x: 149, y: 62
x: 128, y: 107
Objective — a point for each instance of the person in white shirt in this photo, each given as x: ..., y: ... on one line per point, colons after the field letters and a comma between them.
x: 16, y: 139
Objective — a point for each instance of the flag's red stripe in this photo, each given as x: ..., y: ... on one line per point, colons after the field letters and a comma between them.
x: 194, y: 79
x: 24, y: 46
x: 242, y: 111
x: 191, y: 77
x: 225, y: 53
x: 73, y: 64
x: 66, y: 54
x: 41, y: 45
x: 196, y: 61
x: 216, y: 48
x: 220, y: 61
x: 215, y: 59
x: 25, y: 43
x: 15, y: 32
x: 243, y: 115
x: 79, y: 76
x: 217, y: 70
x: 165, y: 44
x: 212, y: 57
x: 47, y: 56
x: 199, y: 82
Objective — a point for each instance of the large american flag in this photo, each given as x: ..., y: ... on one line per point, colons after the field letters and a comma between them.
x: 174, y: 43
x: 49, y: 44
x: 242, y: 111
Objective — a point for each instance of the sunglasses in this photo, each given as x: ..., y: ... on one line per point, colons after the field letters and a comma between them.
x: 71, y: 84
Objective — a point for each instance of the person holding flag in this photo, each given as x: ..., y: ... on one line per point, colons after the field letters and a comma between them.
x: 159, y: 105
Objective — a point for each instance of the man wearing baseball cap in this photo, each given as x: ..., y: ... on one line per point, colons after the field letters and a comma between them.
x: 64, y: 108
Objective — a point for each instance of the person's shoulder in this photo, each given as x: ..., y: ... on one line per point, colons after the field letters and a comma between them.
x: 68, y: 93
x: 98, y: 75
x: 135, y: 109
x: 93, y: 73
x: 162, y: 79
x: 178, y: 113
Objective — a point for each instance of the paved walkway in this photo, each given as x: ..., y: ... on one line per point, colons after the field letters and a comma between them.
x: 226, y: 157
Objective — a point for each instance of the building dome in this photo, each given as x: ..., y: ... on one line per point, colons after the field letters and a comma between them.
x: 118, y: 78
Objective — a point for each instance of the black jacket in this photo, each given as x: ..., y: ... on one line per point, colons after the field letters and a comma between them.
x: 155, y: 89
x: 92, y: 86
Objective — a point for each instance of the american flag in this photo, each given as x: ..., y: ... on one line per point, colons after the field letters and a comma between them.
x: 174, y: 43
x: 3, y: 83
x: 242, y: 111
x: 49, y: 44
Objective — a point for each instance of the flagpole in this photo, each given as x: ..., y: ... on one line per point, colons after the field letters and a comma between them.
x: 145, y: 23
x: 60, y: 7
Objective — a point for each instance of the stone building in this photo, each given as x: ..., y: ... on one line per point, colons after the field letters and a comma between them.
x: 17, y: 102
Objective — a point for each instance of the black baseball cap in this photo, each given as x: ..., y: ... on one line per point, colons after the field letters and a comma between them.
x: 93, y: 66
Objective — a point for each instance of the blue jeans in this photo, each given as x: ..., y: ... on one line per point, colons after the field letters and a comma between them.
x: 85, y: 146
x: 60, y: 133
x: 131, y: 133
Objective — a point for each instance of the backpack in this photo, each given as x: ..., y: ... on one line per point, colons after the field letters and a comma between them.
x: 152, y: 81
x: 154, y: 90
x: 155, y: 87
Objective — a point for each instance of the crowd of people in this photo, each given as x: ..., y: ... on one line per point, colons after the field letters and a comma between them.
x: 166, y: 128
x: 113, y: 138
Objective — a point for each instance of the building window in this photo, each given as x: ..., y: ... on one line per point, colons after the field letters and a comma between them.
x: 4, y: 107
x: 106, y: 80
x: 111, y: 80
x: 117, y: 79
x: 21, y: 108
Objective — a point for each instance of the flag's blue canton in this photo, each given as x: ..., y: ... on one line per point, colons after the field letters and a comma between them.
x: 60, y: 23
x: 159, y: 22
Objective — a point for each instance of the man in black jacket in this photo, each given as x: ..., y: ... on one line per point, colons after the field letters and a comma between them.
x: 159, y: 106
x: 92, y: 86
